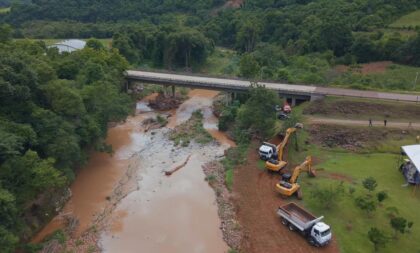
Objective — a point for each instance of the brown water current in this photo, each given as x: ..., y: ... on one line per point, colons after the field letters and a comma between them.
x: 176, y: 213
x: 165, y: 214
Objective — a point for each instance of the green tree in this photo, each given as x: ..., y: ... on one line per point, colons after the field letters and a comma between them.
x: 5, y: 33
x: 249, y: 67
x: 187, y: 47
x: 366, y: 204
x: 336, y: 36
x: 328, y: 196
x: 370, y: 184
x: 364, y: 49
x: 378, y: 238
x: 399, y: 224
x: 63, y: 99
x: 8, y: 210
x: 94, y: 44
x: 381, y: 196
x: 248, y: 36
x: 8, y: 241
x: 257, y: 116
x: 125, y: 47
x: 29, y: 175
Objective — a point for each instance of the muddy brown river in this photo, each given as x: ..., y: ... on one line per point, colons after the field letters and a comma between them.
x: 161, y: 214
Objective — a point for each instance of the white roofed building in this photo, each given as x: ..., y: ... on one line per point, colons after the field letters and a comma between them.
x: 411, y: 169
x: 69, y: 45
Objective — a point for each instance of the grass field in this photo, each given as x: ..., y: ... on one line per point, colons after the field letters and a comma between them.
x: 350, y: 224
x: 395, y: 77
x: 4, y: 10
x: 410, y: 20
x: 222, y: 62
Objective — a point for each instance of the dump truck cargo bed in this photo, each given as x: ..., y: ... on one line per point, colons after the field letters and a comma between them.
x: 298, y: 216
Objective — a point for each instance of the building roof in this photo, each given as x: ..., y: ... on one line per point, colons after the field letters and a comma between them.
x: 413, y: 153
x: 69, y: 45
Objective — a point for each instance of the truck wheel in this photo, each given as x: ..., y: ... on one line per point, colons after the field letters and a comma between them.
x: 284, y: 222
x: 311, y: 241
x: 299, y: 194
x: 291, y: 227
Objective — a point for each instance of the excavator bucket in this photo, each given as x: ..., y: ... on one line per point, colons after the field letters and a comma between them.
x: 299, y: 125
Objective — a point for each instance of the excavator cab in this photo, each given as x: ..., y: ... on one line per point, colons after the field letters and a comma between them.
x: 288, y: 185
x: 277, y: 164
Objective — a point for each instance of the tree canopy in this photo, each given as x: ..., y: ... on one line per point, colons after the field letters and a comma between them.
x: 52, y: 108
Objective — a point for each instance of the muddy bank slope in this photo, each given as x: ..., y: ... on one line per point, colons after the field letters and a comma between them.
x: 257, y: 202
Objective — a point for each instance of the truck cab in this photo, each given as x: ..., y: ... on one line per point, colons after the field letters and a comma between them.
x: 267, y: 151
x: 320, y: 234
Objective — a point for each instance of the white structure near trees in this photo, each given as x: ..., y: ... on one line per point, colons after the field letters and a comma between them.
x: 69, y: 45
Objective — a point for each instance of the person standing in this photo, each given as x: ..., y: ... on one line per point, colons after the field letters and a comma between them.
x: 370, y: 122
x: 385, y: 122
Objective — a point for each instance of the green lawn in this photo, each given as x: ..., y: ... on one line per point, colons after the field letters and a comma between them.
x: 4, y: 10
x: 222, y: 62
x: 396, y: 77
x: 410, y: 20
x: 350, y: 225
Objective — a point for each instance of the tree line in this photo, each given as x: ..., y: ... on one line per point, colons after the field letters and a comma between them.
x: 348, y: 29
x: 53, y: 108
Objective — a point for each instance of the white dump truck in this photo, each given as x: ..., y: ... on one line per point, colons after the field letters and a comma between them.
x: 296, y: 218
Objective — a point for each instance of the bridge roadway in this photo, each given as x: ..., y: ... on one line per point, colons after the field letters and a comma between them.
x: 236, y: 85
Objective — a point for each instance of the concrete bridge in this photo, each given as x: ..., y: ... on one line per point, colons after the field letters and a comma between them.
x: 294, y: 93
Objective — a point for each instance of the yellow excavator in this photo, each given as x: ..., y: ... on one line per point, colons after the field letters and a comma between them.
x: 288, y: 185
x: 278, y: 164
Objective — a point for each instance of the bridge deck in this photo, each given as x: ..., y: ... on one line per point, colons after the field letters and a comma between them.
x: 237, y: 85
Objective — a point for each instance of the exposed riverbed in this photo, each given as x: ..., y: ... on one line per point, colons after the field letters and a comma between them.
x: 153, y: 213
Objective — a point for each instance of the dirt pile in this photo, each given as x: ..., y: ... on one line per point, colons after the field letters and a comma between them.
x: 232, y: 232
x: 163, y: 102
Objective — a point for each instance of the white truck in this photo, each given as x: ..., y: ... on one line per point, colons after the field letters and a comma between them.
x: 267, y: 151
x: 296, y: 218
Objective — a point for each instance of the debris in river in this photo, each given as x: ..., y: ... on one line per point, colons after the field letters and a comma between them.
x: 168, y: 173
x: 163, y: 102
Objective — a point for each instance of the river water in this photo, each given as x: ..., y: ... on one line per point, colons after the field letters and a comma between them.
x: 162, y: 214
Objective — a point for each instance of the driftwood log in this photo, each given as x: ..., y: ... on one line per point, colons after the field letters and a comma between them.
x: 168, y: 173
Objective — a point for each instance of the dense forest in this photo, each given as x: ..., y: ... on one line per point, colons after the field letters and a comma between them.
x: 349, y: 29
x: 50, y: 115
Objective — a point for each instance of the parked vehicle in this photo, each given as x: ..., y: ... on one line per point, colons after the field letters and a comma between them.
x: 296, y: 218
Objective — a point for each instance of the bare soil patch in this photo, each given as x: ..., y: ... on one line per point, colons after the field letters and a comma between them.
x: 365, y: 69
x: 364, y: 109
x: 355, y: 138
x: 234, y: 3
x: 256, y: 202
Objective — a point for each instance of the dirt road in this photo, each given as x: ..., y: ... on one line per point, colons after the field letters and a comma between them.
x: 256, y: 203
x: 375, y: 123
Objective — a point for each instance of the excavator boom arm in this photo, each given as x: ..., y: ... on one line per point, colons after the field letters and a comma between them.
x: 282, y: 145
x: 305, y: 166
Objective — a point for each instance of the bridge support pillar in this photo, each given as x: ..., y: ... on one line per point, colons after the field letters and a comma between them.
x: 127, y: 85
x: 173, y: 90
